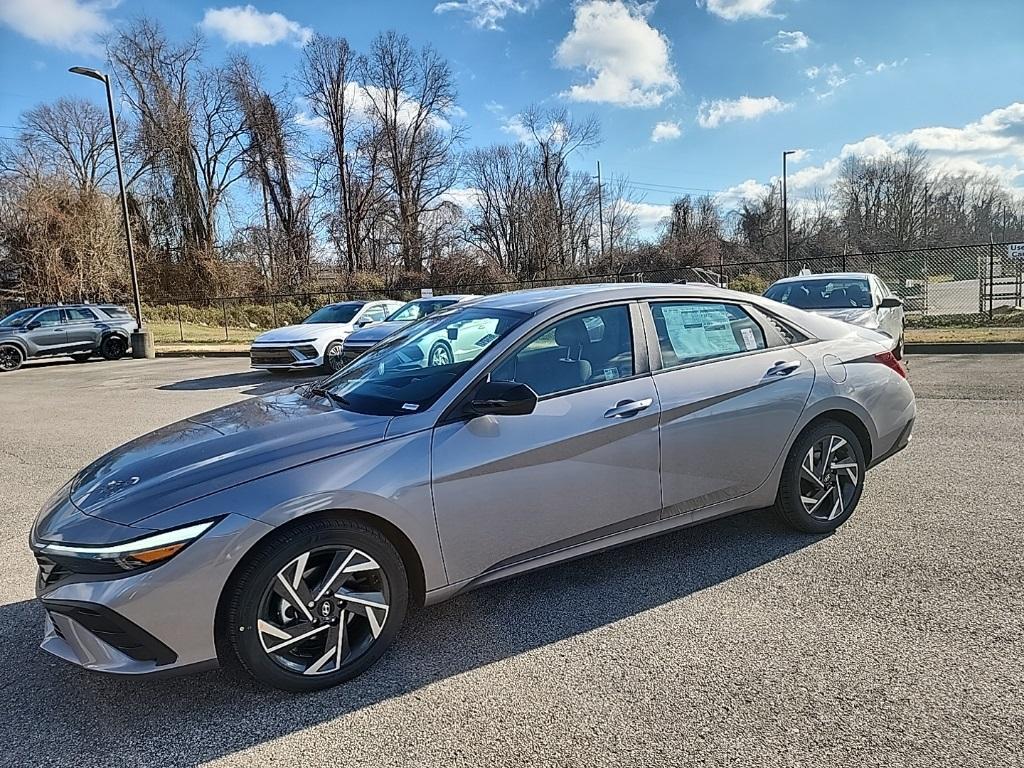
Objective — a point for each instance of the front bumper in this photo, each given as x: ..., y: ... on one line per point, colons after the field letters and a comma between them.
x: 285, y: 357
x: 158, y: 620
x: 351, y: 352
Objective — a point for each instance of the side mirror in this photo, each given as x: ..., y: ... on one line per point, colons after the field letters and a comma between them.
x: 363, y: 322
x: 33, y: 325
x: 890, y: 302
x: 502, y: 398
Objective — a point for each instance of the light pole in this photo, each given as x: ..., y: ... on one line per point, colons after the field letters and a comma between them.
x: 142, y: 340
x: 785, y: 214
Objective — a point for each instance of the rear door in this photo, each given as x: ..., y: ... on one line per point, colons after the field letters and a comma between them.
x: 583, y: 465
x: 82, y: 328
x: 732, y: 388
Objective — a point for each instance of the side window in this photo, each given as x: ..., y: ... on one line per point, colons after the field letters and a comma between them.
x: 49, y: 318
x: 690, y: 331
x: 77, y: 314
x: 591, y: 347
x: 375, y: 313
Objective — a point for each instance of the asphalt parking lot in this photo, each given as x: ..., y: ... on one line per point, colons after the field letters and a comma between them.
x: 895, y: 641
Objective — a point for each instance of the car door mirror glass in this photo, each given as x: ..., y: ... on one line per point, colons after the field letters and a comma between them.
x: 503, y: 398
x: 33, y: 325
x: 890, y: 302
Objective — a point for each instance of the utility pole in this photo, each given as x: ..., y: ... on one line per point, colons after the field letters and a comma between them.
x: 785, y: 214
x: 600, y: 207
x: 925, y: 225
x: 142, y: 340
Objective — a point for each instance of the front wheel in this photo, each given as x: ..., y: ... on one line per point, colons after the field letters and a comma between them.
x: 441, y: 354
x: 315, y: 605
x: 11, y: 358
x: 822, y: 479
x: 333, y: 360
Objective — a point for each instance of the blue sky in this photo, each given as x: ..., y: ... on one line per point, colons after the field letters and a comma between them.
x: 691, y: 95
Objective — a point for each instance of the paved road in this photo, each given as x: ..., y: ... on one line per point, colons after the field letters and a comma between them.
x: 895, y: 641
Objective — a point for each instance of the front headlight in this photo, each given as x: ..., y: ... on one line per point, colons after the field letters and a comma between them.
x: 139, y: 553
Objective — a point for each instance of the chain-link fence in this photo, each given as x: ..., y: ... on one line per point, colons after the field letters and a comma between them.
x: 950, y: 284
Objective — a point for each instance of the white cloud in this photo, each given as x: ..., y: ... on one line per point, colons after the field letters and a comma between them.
x: 627, y: 59
x: 487, y: 14
x: 248, y: 26
x: 732, y: 197
x: 514, y: 127
x: 72, y: 25
x: 648, y: 217
x: 464, y: 197
x: 360, y: 103
x: 788, y: 42
x: 715, y: 113
x: 666, y: 130
x: 733, y: 10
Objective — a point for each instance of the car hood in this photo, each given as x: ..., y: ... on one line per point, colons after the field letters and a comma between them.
x: 302, y: 332
x: 216, y: 450
x: 857, y: 315
x: 376, y: 332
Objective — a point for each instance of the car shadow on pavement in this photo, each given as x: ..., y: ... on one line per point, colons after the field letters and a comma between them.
x: 258, y: 382
x: 71, y: 716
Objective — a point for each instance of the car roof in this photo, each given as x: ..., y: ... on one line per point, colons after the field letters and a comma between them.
x: 533, y: 300
x: 826, y: 275
x: 41, y: 307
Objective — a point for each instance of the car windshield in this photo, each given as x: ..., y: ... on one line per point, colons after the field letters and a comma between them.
x: 823, y: 293
x: 17, y: 319
x: 416, y: 310
x: 335, y: 313
x: 409, y: 371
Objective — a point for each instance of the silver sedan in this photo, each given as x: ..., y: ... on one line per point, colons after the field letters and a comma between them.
x: 289, y: 534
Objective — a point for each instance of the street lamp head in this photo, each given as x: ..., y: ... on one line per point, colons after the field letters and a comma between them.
x: 95, y: 74
x: 789, y: 152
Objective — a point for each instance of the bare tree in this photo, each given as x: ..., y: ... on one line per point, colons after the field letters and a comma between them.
x: 410, y: 96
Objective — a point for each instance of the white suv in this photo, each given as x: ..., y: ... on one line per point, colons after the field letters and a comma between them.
x: 316, y: 341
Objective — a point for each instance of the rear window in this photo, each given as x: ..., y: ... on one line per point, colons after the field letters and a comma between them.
x: 115, y: 312
x: 823, y: 293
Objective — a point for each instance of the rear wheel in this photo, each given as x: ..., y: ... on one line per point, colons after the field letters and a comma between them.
x: 113, y: 347
x: 315, y: 606
x: 822, y: 479
x: 11, y: 358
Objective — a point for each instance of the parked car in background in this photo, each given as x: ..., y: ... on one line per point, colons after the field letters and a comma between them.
x: 286, y: 535
x: 316, y: 342
x: 76, y: 330
x: 360, y: 341
x: 854, y: 297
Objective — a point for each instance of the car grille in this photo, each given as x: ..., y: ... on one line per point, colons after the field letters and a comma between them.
x: 50, y: 572
x: 271, y: 355
x: 113, y: 629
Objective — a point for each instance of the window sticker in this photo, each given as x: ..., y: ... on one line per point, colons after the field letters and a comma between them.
x: 611, y: 373
x: 699, y: 331
x: 748, y: 338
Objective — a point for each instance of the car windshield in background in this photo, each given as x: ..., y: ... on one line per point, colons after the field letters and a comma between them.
x: 415, y: 310
x: 17, y: 319
x: 408, y: 372
x: 823, y: 293
x: 335, y: 313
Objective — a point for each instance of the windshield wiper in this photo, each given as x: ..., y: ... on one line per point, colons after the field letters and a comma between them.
x: 334, y: 397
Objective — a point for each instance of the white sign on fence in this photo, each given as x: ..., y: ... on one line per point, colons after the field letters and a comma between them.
x: 426, y: 293
x: 1015, y: 251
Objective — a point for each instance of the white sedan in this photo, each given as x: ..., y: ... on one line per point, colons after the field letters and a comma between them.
x: 859, y: 298
x: 317, y: 341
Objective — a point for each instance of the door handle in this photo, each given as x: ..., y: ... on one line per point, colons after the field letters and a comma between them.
x: 628, y: 408
x: 783, y: 368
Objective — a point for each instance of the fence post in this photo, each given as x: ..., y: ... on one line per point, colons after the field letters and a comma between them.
x: 181, y: 330
x: 224, y: 309
x: 991, y: 275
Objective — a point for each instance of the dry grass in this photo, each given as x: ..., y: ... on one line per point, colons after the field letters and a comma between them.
x: 973, y: 335
x: 167, y: 332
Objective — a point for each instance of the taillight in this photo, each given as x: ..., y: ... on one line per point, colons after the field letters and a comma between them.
x: 889, y: 360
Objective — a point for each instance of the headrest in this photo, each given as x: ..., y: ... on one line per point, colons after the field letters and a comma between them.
x: 572, y: 333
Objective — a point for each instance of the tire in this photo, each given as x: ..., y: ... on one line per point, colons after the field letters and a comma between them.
x: 82, y: 357
x: 11, y: 358
x: 113, y: 347
x: 440, y: 354
x: 255, y: 617
x: 805, y: 502
x: 332, y: 357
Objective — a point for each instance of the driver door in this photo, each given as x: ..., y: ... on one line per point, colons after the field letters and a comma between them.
x: 583, y: 465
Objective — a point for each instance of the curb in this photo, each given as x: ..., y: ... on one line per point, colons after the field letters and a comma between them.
x: 199, y: 353
x: 964, y: 348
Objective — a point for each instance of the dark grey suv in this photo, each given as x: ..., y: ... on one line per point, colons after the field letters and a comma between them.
x: 78, y: 330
